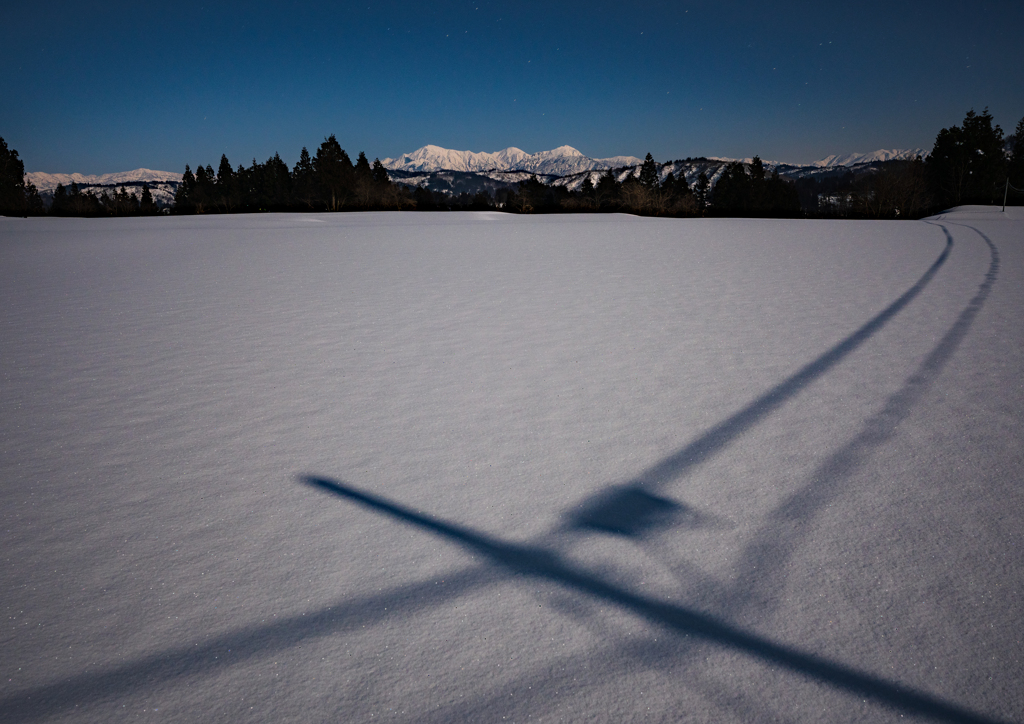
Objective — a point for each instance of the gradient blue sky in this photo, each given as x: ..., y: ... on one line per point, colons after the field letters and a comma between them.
x: 113, y: 86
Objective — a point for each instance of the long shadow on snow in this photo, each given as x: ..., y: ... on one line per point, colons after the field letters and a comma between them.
x: 543, y: 563
x: 241, y: 645
x: 718, y: 437
x: 212, y: 655
x: 631, y: 511
x: 765, y: 556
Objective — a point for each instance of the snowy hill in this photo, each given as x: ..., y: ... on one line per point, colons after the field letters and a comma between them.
x: 49, y: 181
x: 560, y: 161
x: 162, y: 184
x: 683, y: 169
x: 852, y: 159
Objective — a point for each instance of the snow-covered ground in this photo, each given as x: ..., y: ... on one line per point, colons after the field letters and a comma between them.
x: 476, y: 467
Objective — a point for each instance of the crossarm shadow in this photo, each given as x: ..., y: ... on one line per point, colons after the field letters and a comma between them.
x: 216, y: 653
x: 544, y: 564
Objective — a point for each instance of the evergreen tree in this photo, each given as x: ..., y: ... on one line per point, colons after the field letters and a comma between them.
x: 182, y: 196
x: 364, y: 182
x: 649, y: 174
x: 757, y: 170
x: 482, y: 201
x: 304, y: 181
x: 334, y: 174
x: 608, y: 189
x: 676, y: 198
x: 1015, y: 166
x: 257, y: 192
x: 968, y: 164
x: 529, y: 197
x: 363, y: 170
x: 701, y: 191
x: 424, y: 198
x: 380, y: 174
x: 204, y: 192
x: 277, y: 183
x: 226, y: 194
x: 898, y: 191
x: 72, y: 202
x: 385, y: 193
x: 587, y: 188
x: 731, y: 194
x: 147, y: 207
x: 33, y: 203
x: 245, y: 183
x: 121, y: 203
x: 668, y: 186
x: 743, y: 192
x: 781, y: 197
x: 60, y: 199
x: 13, y: 199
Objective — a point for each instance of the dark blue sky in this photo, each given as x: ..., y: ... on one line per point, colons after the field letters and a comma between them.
x: 102, y: 87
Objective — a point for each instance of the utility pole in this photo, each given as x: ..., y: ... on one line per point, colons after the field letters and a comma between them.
x: 1005, y: 192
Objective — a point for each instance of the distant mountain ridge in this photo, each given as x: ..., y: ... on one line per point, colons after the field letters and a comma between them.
x: 431, y: 165
x: 852, y: 159
x: 560, y: 161
x: 162, y: 184
x: 49, y: 181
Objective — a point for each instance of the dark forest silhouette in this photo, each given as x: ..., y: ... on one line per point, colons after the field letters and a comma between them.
x: 969, y: 164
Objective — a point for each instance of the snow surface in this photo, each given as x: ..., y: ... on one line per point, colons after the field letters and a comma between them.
x: 477, y: 467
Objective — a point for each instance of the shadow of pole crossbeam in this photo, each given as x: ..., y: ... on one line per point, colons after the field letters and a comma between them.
x: 543, y: 563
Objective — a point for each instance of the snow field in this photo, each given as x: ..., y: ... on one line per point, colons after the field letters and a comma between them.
x: 494, y: 387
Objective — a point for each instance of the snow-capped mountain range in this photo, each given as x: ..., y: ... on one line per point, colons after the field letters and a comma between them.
x: 852, y: 159
x: 562, y: 166
x: 566, y: 160
x: 162, y: 184
x: 560, y: 161
x: 49, y: 181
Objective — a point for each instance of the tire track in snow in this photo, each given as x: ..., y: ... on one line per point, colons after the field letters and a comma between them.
x: 771, y: 549
x: 718, y: 438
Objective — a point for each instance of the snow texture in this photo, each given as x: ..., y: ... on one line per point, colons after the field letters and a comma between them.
x: 477, y: 467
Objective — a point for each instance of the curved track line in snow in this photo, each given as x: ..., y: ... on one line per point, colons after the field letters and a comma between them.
x: 244, y: 644
x: 770, y: 550
x: 718, y: 437
x: 763, y: 559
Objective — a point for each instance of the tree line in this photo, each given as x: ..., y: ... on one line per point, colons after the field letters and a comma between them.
x: 969, y: 164
x: 17, y: 196
x: 328, y: 181
x: 741, y: 190
x: 72, y: 201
